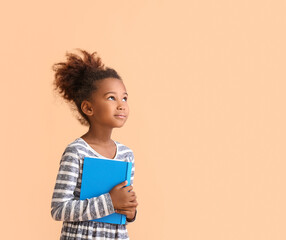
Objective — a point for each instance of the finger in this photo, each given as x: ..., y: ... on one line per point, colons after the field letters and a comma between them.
x: 132, y: 204
x: 132, y: 194
x: 127, y: 209
x: 128, y: 206
x: 132, y: 199
x: 120, y: 185
x: 128, y: 188
x: 121, y: 211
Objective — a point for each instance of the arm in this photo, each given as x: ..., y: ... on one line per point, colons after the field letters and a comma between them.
x: 131, y: 183
x: 64, y: 206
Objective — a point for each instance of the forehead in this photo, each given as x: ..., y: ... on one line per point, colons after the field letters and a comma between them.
x: 110, y: 85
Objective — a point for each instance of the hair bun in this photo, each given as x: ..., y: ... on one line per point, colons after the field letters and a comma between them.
x: 70, y: 75
x: 75, y: 78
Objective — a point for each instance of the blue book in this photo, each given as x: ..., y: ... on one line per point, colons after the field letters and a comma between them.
x: 99, y: 176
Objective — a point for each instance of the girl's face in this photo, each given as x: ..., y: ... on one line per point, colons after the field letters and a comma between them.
x: 109, y: 103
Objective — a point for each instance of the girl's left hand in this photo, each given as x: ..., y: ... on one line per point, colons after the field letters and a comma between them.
x: 129, y: 212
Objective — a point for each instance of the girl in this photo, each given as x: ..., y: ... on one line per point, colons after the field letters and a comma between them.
x: 100, y: 97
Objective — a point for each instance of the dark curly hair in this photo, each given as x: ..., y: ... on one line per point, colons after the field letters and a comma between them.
x: 75, y: 79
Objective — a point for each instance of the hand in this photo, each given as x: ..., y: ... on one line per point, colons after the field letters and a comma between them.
x: 129, y: 212
x: 122, y: 197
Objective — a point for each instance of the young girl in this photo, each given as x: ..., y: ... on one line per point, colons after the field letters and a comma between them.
x: 100, y: 97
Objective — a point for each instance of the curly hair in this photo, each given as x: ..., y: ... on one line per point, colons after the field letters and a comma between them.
x: 75, y: 79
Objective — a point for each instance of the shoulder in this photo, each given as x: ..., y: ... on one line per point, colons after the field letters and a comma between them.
x: 73, y: 147
x: 121, y: 146
x: 124, y: 151
x: 79, y: 147
x: 71, y: 152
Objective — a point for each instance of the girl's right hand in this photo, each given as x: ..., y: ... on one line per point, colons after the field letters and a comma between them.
x: 123, y: 197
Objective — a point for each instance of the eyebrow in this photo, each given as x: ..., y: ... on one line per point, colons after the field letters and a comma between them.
x: 114, y: 93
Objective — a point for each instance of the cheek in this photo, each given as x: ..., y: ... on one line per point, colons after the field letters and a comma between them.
x: 127, y: 110
x: 126, y: 107
x: 104, y: 111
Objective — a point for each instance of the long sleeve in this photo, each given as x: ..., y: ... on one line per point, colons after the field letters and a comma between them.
x: 131, y: 183
x: 65, y: 205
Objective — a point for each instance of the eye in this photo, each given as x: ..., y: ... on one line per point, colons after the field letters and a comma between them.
x: 111, y: 97
x: 125, y: 99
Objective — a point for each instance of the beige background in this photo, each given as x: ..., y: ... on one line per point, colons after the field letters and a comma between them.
x: 206, y: 83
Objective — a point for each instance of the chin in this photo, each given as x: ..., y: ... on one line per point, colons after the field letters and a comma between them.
x: 120, y: 126
x: 111, y: 126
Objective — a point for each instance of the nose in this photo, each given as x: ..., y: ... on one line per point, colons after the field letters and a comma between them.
x: 120, y: 107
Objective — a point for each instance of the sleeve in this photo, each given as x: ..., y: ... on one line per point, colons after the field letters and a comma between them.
x: 131, y: 182
x: 64, y: 205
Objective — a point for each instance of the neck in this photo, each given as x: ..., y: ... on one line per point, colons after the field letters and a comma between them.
x: 98, y: 135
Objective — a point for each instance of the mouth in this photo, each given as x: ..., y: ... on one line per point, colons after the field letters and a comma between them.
x: 120, y: 116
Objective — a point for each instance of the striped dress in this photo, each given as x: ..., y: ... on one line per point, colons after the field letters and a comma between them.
x: 75, y: 213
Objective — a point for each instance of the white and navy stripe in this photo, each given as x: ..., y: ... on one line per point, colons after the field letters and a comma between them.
x: 66, y: 205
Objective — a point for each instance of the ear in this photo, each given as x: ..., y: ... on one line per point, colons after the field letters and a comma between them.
x: 86, y: 108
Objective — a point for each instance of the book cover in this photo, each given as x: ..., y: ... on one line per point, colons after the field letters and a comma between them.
x: 99, y: 176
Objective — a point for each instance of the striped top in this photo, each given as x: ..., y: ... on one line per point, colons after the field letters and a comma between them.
x: 66, y: 205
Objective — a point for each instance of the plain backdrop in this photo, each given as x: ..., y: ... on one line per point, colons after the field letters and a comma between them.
x: 206, y: 84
